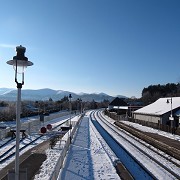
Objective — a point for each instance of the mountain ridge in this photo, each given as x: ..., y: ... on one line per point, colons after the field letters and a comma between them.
x: 43, y: 94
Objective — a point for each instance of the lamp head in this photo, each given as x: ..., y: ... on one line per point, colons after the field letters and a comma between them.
x: 20, y: 62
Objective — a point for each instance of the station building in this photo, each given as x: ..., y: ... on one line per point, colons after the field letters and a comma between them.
x: 119, y: 106
x: 160, y: 111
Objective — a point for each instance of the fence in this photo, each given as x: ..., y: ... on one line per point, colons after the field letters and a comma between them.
x: 162, y: 127
x: 33, y: 125
x: 114, y: 115
x: 58, y: 166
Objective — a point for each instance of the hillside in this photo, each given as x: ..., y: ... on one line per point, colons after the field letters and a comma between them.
x: 7, y: 94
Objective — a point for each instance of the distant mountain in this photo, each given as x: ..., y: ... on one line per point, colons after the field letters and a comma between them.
x: 7, y: 94
x: 5, y: 90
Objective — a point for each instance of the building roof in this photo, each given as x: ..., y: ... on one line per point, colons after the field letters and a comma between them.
x: 118, y: 102
x: 160, y: 106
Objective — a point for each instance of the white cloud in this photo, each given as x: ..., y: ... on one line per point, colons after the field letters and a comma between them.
x: 12, y: 46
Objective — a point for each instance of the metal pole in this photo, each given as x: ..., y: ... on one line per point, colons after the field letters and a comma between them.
x: 81, y: 106
x: 172, y: 121
x: 171, y: 106
x: 70, y: 119
x: 18, y: 126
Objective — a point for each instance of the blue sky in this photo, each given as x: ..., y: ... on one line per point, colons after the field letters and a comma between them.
x: 113, y: 46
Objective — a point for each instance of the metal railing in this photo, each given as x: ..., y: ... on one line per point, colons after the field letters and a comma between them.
x: 65, y: 148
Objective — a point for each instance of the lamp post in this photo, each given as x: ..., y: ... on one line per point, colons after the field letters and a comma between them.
x: 70, y: 108
x: 171, y: 118
x: 80, y: 105
x: 77, y: 104
x: 19, y: 63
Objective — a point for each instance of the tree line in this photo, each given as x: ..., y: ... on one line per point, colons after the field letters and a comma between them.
x: 32, y: 108
x: 154, y: 92
x: 149, y: 95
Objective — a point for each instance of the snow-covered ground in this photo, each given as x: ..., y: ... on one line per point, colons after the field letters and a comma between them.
x: 12, y: 124
x: 89, y: 157
x: 149, y: 163
x: 86, y: 157
x: 155, y: 131
x: 32, y: 136
x: 147, y: 129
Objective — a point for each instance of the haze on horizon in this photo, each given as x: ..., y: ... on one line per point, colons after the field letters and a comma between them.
x: 115, y: 47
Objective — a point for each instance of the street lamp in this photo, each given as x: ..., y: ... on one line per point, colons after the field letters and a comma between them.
x: 19, y: 63
x: 171, y: 118
x: 70, y: 108
x: 80, y: 105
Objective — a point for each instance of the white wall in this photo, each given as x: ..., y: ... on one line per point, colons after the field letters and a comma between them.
x: 149, y: 118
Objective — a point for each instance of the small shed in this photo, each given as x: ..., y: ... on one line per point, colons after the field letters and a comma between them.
x: 159, y: 111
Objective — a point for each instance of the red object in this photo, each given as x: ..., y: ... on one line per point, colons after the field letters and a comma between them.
x: 49, y: 126
x: 43, y: 130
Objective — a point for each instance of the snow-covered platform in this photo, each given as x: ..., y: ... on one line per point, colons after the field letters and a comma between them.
x: 87, y: 158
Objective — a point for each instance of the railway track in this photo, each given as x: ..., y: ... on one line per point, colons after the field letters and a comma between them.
x: 164, y: 147
x: 8, y: 141
x: 132, y: 166
x: 149, y: 142
x: 150, y: 153
x: 11, y: 151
